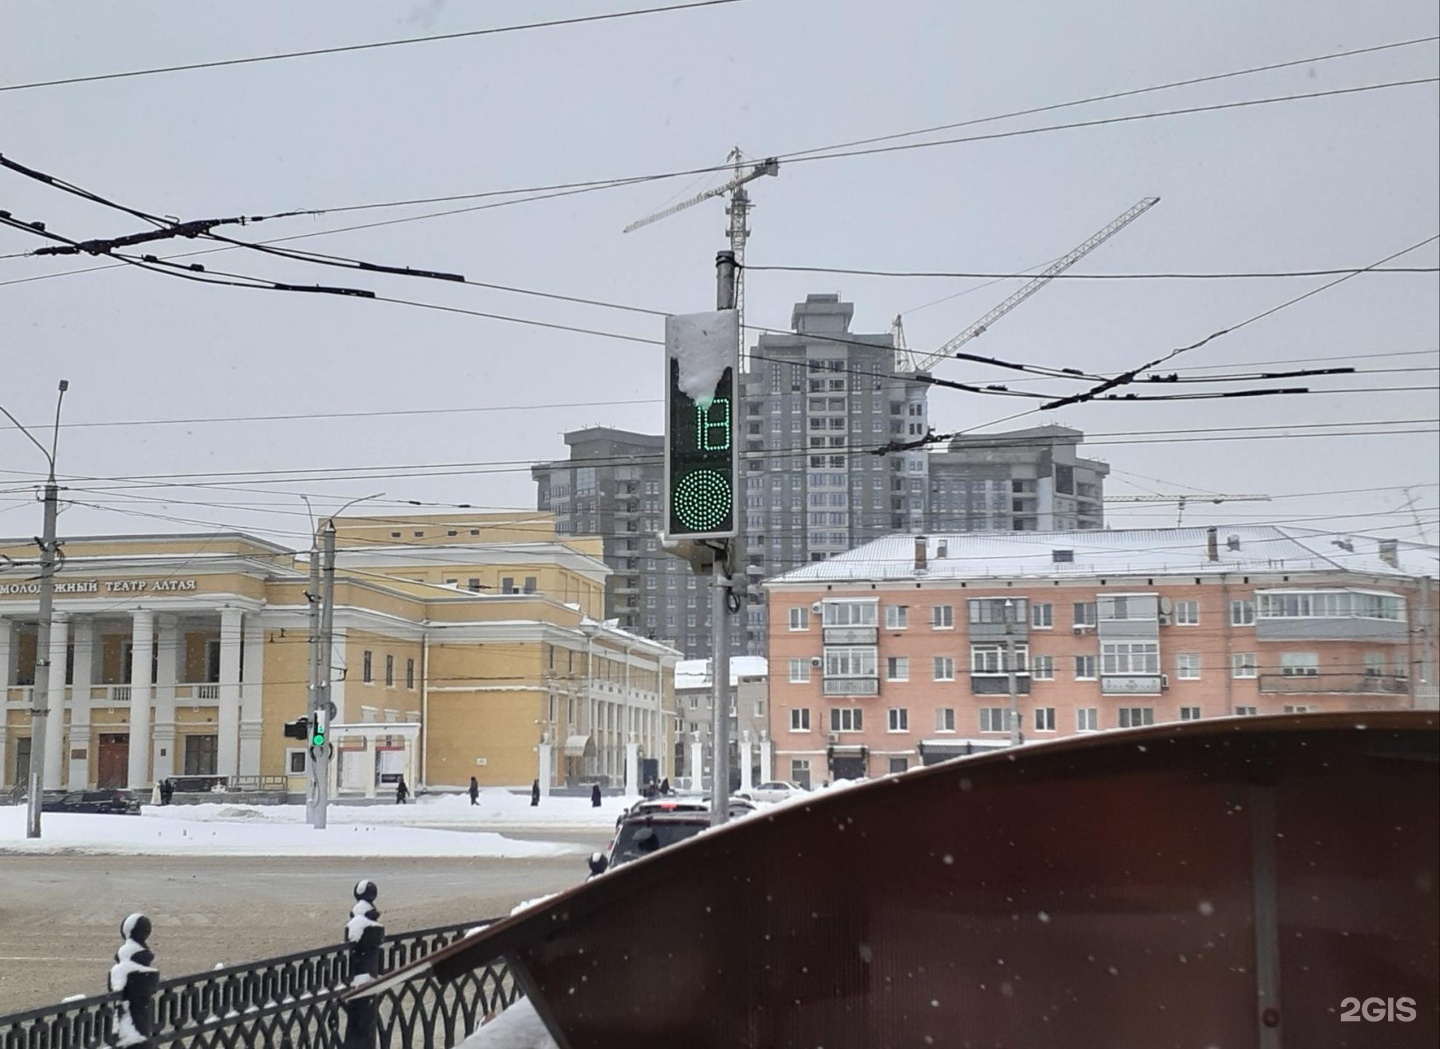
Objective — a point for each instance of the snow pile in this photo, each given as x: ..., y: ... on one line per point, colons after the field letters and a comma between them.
x: 518, y: 1027
x: 704, y: 344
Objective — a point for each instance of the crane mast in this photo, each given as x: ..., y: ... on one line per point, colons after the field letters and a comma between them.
x: 1059, y: 266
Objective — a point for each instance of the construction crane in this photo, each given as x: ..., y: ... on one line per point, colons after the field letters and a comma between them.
x: 1181, y: 501
x: 738, y: 210
x: 908, y: 360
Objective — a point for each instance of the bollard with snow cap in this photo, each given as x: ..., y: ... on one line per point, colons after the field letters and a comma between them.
x: 135, y: 980
x: 364, y: 934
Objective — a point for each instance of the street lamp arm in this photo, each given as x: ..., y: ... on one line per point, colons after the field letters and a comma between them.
x: 50, y: 458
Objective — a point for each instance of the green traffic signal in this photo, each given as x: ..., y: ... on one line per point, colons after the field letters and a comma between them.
x: 317, y: 737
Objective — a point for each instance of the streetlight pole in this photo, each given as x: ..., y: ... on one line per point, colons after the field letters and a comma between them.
x: 1010, y: 682
x: 40, y: 690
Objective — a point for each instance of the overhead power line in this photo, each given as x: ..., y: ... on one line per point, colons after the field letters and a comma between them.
x: 1233, y: 275
x: 376, y: 45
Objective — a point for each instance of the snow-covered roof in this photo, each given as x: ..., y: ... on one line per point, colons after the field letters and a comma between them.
x: 695, y: 673
x: 1087, y: 553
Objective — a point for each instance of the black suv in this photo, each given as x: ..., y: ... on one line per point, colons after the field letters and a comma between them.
x: 124, y: 802
x: 639, y: 836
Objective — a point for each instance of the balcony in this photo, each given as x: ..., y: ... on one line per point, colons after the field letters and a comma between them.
x: 1334, y: 684
x: 850, y: 635
x: 1133, y: 684
x: 993, y: 685
x: 852, y: 686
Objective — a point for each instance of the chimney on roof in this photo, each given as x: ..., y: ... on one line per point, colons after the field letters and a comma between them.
x: 1212, y: 544
x: 942, y: 549
x: 921, y: 555
x: 1390, y: 552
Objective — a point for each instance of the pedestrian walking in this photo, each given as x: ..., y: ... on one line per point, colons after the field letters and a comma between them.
x: 401, y: 791
x: 167, y: 791
x: 595, y: 796
x: 665, y: 785
x: 535, y: 793
x: 474, y: 791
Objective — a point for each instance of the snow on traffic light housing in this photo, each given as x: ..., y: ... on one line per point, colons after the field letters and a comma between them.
x: 702, y: 361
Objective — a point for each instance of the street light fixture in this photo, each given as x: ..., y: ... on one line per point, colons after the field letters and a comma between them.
x: 40, y: 690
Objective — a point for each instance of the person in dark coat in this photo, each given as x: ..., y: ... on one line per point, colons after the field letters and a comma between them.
x: 474, y: 791
x: 665, y: 785
x: 167, y: 791
x: 401, y: 791
x: 535, y: 793
x: 595, y: 796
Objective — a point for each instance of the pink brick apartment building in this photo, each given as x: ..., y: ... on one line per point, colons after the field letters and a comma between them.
x: 901, y: 652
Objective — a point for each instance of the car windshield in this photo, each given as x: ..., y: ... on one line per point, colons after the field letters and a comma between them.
x: 641, y: 839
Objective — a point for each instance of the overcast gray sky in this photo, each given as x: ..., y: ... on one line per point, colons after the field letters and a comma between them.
x: 1319, y: 183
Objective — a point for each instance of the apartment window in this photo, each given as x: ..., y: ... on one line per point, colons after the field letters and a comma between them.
x: 1374, y: 664
x: 897, y: 720
x: 1042, y: 617
x: 1189, y: 713
x: 1130, y: 657
x: 1246, y: 712
x: 367, y: 668
x: 531, y: 584
x: 990, y: 659
x: 846, y: 719
x: 944, y: 668
x: 849, y: 613
x: 1297, y: 709
x: 295, y: 761
x: 1044, y: 719
x: 1187, y: 666
x: 897, y: 668
x: 1242, y: 613
x: 1085, y: 668
x: 850, y: 661
x: 759, y: 708
x: 389, y: 671
x: 1086, y: 614
x: 994, y: 719
x: 1242, y: 664
x: 799, y: 671
x: 1187, y: 613
x: 410, y: 674
x: 1087, y: 719
x: 942, y: 617
x: 1135, y: 717
x: 897, y: 617
x: 1042, y: 668
x: 800, y: 772
x: 1299, y: 664
x: 473, y: 585
x: 799, y: 619
x: 997, y: 610
x: 800, y: 719
x: 945, y: 719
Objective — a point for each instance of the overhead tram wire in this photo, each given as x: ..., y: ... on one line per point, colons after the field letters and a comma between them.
x: 1218, y: 275
x: 375, y: 45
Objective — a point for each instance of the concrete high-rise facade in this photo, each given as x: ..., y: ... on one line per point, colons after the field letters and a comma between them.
x: 1018, y: 481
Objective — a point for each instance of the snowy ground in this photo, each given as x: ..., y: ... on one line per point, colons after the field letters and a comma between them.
x: 491, y: 828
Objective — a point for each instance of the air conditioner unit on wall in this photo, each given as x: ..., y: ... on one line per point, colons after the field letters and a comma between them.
x: 817, y: 608
x: 816, y: 661
x: 1081, y: 628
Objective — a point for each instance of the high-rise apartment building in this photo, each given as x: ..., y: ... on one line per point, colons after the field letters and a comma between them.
x: 1018, y: 481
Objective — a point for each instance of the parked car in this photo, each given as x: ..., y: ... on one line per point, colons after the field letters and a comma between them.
x: 111, y: 801
x: 776, y: 790
x: 683, y: 803
x: 639, y: 836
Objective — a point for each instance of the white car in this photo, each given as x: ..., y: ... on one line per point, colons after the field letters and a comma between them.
x: 776, y: 790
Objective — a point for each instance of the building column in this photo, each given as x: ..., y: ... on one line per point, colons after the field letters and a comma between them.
x: 632, y: 767
x: 55, y: 700
x: 745, y: 751
x: 227, y: 719
x: 7, y: 633
x: 78, y: 773
x: 142, y: 645
x: 167, y: 672
x: 546, y: 764
x: 767, y: 769
x: 697, y: 764
x: 252, y: 722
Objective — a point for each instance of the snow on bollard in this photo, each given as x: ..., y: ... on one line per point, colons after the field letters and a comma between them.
x: 135, y: 980
x: 364, y: 934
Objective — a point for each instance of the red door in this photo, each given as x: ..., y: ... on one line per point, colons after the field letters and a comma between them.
x: 112, y: 764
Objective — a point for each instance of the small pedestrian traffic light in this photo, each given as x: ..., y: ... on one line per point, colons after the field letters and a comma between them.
x: 702, y: 363
x: 317, y: 731
x: 297, y: 729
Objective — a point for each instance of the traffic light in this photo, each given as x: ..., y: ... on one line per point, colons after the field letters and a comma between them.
x: 297, y: 729
x: 702, y: 364
x: 318, y: 730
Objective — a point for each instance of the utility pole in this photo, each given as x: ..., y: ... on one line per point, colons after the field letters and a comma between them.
x: 720, y: 582
x: 312, y: 693
x: 320, y: 727
x: 40, y: 691
x: 1010, y: 672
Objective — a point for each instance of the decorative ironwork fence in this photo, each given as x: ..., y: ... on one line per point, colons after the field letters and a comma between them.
x: 290, y: 1002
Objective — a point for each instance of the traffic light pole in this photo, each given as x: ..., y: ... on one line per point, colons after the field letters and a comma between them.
x: 321, y: 754
x: 719, y: 602
x: 312, y: 694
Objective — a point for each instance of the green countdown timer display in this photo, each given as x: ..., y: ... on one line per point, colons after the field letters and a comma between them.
x: 701, y: 459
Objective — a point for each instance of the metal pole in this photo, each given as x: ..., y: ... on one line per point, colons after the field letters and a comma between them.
x: 327, y: 668
x: 312, y: 694
x: 725, y: 270
x: 40, y: 691
x: 1010, y: 673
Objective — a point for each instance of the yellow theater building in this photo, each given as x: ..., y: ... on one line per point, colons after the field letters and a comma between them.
x: 464, y: 645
